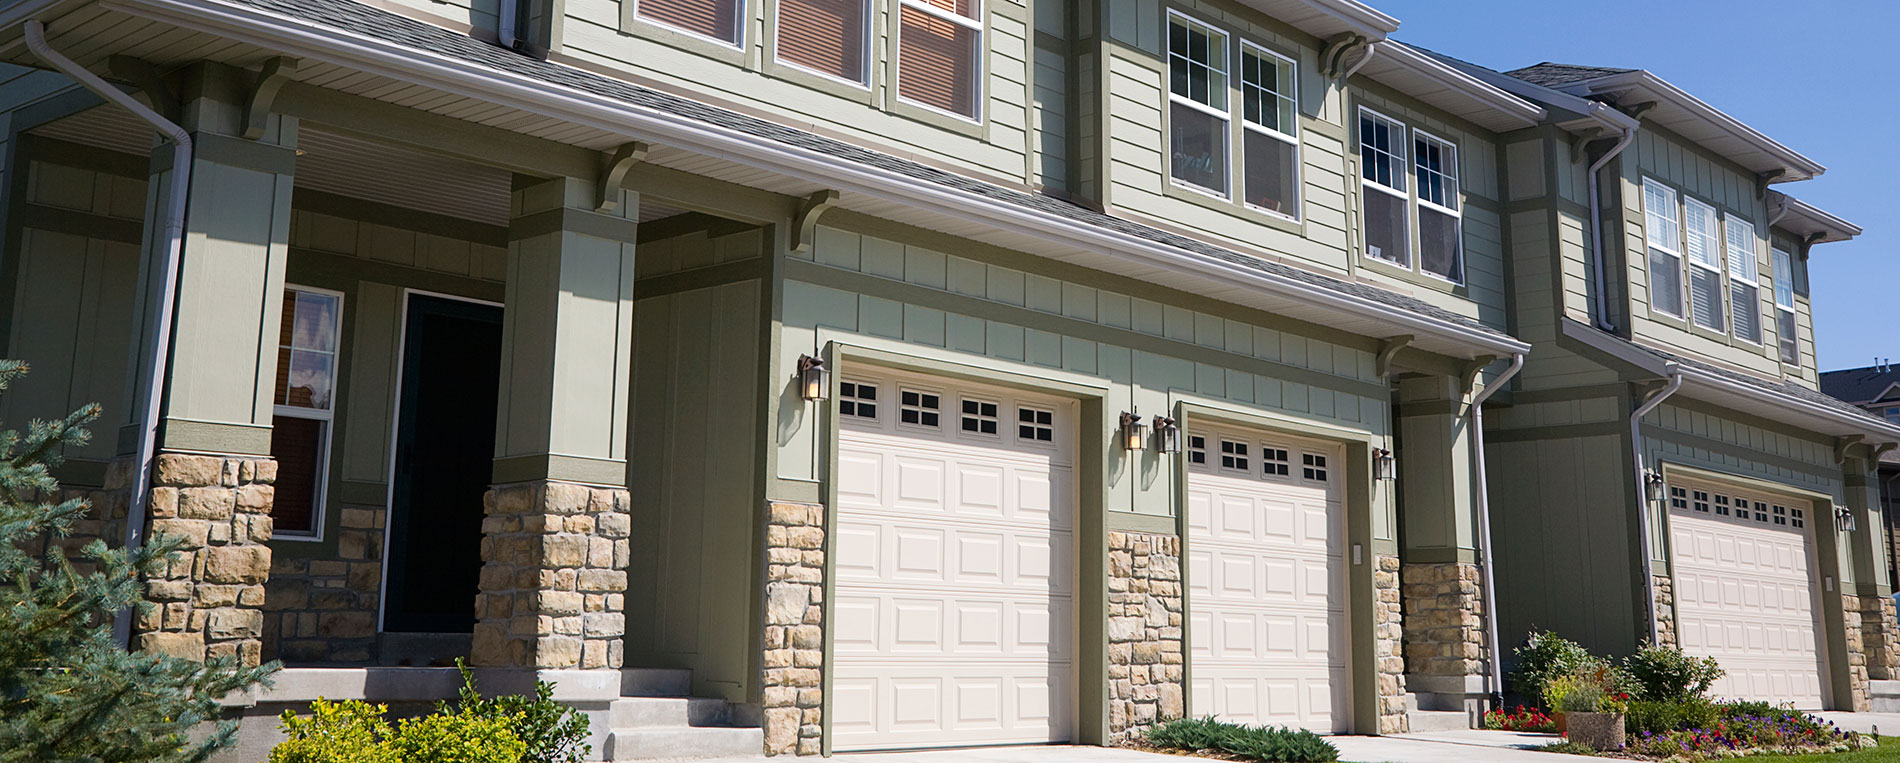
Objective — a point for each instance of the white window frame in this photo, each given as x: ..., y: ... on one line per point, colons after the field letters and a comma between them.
x: 1457, y: 214
x: 978, y: 50
x: 1753, y: 281
x: 856, y: 400
x: 318, y: 507
x: 1713, y: 246
x: 1674, y: 249
x: 995, y: 419
x: 1784, y: 283
x: 1292, y: 138
x: 1402, y: 174
x: 1226, y: 116
x: 864, y: 53
x: 738, y: 20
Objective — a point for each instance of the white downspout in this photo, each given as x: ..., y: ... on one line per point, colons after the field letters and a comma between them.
x: 505, y: 23
x: 1674, y: 374
x: 1596, y: 230
x: 161, y: 336
x: 1495, y: 676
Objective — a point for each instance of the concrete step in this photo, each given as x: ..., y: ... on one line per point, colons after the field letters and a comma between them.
x: 663, y: 712
x: 688, y: 742
x: 655, y: 682
x: 1437, y: 720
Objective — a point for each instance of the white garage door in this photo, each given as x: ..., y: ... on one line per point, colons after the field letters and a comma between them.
x: 1267, y: 580
x: 953, y: 622
x: 1743, y: 592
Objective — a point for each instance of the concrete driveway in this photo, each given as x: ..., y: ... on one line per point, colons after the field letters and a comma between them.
x: 1441, y: 747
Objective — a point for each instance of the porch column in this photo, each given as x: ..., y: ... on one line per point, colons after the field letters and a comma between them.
x: 1444, y: 606
x: 555, y: 544
x: 1870, y: 600
x: 212, y: 479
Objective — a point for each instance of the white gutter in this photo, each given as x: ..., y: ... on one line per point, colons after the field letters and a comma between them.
x: 1674, y: 373
x: 1801, y: 166
x: 322, y: 43
x: 160, y: 338
x: 1596, y: 222
x: 1495, y: 676
x: 1456, y: 80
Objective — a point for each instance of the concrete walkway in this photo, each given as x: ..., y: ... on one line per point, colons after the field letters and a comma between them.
x: 1864, y: 723
x: 1438, y: 747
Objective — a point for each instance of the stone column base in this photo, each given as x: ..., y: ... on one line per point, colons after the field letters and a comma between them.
x: 1444, y: 619
x: 1856, y: 652
x: 1665, y: 611
x: 554, y: 576
x: 794, y: 629
x: 1880, y: 637
x: 1146, y: 654
x: 209, y: 598
x: 1388, y: 645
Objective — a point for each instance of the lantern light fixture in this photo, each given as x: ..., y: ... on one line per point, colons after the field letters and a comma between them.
x: 1653, y: 484
x: 814, y: 379
x: 1167, y: 434
x: 1384, y: 467
x: 1134, y: 434
x: 1844, y: 519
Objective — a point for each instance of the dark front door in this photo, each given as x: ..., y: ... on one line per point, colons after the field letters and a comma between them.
x: 445, y: 451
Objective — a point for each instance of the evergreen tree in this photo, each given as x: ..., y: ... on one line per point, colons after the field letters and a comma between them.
x: 68, y: 691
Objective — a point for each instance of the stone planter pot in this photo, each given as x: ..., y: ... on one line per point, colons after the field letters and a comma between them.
x: 1563, y: 725
x: 1597, y: 731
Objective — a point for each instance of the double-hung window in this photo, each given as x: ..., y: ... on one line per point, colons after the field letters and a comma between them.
x: 717, y: 20
x: 1663, y: 228
x: 1784, y: 306
x: 1197, y: 105
x: 827, y: 37
x: 1702, y: 240
x: 1441, y: 249
x: 1743, y: 274
x: 1270, y: 142
x: 939, y: 55
x: 1382, y: 170
x: 305, y: 400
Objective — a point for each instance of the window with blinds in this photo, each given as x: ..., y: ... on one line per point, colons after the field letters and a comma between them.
x: 1743, y: 280
x: 1702, y: 241
x: 939, y: 61
x: 824, y: 36
x: 713, y: 19
x: 1662, y: 224
x: 1784, y: 306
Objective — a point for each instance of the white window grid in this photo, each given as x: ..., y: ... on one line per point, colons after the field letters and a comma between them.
x: 1699, y: 500
x: 1702, y: 242
x: 976, y: 49
x: 1275, y: 462
x: 326, y: 414
x: 979, y: 417
x: 1233, y: 455
x: 1797, y: 517
x: 1662, y: 226
x: 1789, y: 344
x: 1722, y: 507
x: 1383, y: 162
x: 920, y: 408
x: 857, y: 399
x: 1285, y: 111
x: 738, y: 21
x: 1743, y: 273
x: 864, y: 54
x: 1435, y: 166
x: 1197, y: 449
x: 1035, y: 424
x: 1678, y: 497
x: 1213, y: 68
x: 1313, y: 467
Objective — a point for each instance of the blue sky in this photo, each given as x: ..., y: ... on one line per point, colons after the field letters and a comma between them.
x: 1817, y: 76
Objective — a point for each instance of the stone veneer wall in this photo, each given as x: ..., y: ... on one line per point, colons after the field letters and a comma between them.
x: 794, y: 628
x: 1388, y: 645
x: 1444, y: 619
x: 324, y: 610
x: 1665, y: 611
x: 209, y: 597
x: 103, y: 520
x: 1146, y: 653
x: 1880, y: 637
x: 1856, y: 651
x: 554, y: 560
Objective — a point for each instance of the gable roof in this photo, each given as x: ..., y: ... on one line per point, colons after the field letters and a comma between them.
x: 1553, y: 74
x: 1862, y: 386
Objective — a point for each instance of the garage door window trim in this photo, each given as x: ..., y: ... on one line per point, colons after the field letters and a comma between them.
x: 979, y: 417
x: 858, y: 399
x: 920, y: 408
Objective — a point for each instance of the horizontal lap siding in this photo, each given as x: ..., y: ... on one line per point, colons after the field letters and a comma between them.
x: 479, y: 14
x: 1140, y: 378
x: 592, y: 32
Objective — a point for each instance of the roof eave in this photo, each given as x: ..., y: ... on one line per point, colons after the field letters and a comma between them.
x: 1832, y: 227
x: 1517, y: 112
x: 1373, y: 23
x: 1795, y: 165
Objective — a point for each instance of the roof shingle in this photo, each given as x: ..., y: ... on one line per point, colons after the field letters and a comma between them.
x: 1553, y: 74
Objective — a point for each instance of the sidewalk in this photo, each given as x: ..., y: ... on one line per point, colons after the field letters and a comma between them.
x: 1439, y: 747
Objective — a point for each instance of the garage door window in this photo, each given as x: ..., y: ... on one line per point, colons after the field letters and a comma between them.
x: 979, y: 417
x: 1275, y: 461
x: 922, y: 409
x: 858, y: 399
x: 1678, y: 497
x: 1197, y: 449
x: 1313, y: 467
x: 1233, y: 455
x: 1035, y: 424
x: 1795, y: 518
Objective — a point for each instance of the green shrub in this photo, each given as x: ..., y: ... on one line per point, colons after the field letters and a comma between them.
x: 553, y: 732
x: 458, y: 738
x: 336, y: 732
x: 1569, y: 748
x: 1543, y: 658
x: 1247, y: 742
x: 1653, y: 717
x: 1666, y: 673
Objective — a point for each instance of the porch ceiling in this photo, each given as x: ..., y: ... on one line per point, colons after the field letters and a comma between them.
x: 90, y: 32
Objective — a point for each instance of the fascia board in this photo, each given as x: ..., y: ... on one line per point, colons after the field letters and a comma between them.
x: 1526, y: 113
x: 1662, y: 89
x: 324, y: 43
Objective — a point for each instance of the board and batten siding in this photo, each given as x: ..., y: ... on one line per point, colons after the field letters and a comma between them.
x: 1027, y: 320
x: 1692, y: 172
x: 1550, y: 246
x: 605, y: 33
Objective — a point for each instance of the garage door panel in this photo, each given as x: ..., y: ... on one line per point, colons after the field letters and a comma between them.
x: 954, y: 581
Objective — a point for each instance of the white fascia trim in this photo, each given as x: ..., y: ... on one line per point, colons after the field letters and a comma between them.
x: 319, y: 42
x: 1373, y: 23
x: 1634, y: 355
x: 1527, y: 114
x: 1802, y: 166
x: 1833, y: 226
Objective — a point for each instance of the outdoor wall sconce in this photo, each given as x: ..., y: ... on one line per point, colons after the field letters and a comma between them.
x: 1844, y: 519
x: 1167, y: 434
x: 814, y: 379
x: 1134, y: 433
x: 1653, y: 485
x: 1384, y: 467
